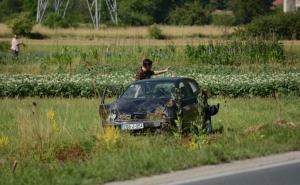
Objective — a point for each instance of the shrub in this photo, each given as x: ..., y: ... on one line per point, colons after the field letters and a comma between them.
x: 4, y: 46
x: 245, y: 10
x: 281, y: 26
x: 155, y: 32
x: 223, y: 20
x: 54, y: 20
x: 22, y: 25
x: 191, y: 13
x: 136, y: 12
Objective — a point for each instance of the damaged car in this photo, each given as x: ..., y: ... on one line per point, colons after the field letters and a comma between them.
x: 156, y: 104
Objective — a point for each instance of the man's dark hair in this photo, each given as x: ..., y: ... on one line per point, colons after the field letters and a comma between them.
x: 147, y: 62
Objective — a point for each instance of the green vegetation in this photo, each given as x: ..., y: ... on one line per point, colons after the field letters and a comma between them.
x: 282, y: 26
x: 59, y: 141
x: 251, y: 51
x: 237, y: 52
x: 22, y: 25
x: 191, y: 13
x: 53, y: 20
x: 246, y: 10
x: 87, y: 85
x: 146, y: 12
x: 155, y: 32
x: 234, y: 68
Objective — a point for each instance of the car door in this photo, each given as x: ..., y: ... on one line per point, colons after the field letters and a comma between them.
x: 193, y: 85
x: 189, y: 102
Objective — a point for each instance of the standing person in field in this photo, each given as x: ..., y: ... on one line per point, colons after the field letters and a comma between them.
x: 15, y: 46
x: 146, y: 72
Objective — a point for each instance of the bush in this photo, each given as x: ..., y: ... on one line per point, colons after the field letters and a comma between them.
x: 191, y: 13
x: 54, y: 20
x: 155, y: 32
x: 281, y: 26
x: 22, y: 25
x: 223, y: 20
x: 4, y: 46
x: 136, y: 12
x: 245, y: 10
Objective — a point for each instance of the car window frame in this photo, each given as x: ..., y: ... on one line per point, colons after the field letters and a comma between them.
x: 196, y: 84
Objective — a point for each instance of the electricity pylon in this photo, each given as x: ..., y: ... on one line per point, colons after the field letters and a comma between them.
x: 41, y: 9
x: 95, y: 11
x: 59, y: 6
x: 94, y: 6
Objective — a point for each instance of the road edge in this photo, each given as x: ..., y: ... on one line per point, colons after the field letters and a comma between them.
x: 214, y: 171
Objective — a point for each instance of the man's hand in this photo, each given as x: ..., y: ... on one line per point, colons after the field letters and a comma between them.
x: 167, y: 69
x: 161, y: 71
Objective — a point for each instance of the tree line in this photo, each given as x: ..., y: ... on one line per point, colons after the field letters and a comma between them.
x: 146, y: 12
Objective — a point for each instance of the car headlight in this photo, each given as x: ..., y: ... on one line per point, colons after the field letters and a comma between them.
x: 112, y: 116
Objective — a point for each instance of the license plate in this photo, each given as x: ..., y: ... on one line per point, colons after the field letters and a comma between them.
x: 132, y: 126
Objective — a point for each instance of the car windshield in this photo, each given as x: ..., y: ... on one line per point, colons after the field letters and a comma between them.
x: 150, y: 90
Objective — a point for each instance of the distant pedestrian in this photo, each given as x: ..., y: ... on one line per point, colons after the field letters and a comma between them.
x: 15, y: 46
x: 145, y: 71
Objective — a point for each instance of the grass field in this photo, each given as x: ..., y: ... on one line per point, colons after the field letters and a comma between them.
x: 59, y: 141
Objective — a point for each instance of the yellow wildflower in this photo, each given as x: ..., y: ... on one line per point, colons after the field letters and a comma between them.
x: 193, y: 145
x: 51, y: 115
x: 3, y: 140
x: 52, y: 120
x: 110, y: 136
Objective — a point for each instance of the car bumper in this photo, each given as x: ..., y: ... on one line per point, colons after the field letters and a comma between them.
x: 138, y: 124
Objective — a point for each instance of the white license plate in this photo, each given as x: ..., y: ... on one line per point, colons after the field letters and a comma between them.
x: 132, y: 126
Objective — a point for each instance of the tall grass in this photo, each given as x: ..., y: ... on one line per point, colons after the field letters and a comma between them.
x: 226, y: 53
x: 123, y: 32
x: 237, y: 52
x: 78, y: 152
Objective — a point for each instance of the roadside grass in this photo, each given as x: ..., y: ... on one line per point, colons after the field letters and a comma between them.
x: 59, y: 141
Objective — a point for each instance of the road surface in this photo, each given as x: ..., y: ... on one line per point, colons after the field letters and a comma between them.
x: 281, y: 169
x: 286, y: 174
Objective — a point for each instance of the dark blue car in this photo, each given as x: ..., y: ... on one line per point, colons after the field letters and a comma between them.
x: 153, y: 104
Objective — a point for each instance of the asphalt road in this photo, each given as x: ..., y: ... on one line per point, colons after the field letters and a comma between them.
x: 288, y: 174
x: 279, y: 169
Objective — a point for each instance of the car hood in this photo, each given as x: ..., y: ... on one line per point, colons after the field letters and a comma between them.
x: 145, y: 105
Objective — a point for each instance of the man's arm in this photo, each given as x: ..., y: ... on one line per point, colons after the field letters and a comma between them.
x: 161, y: 71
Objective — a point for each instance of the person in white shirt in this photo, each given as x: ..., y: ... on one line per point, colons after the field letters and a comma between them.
x: 15, y: 46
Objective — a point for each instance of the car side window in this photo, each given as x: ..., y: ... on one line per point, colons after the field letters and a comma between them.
x: 185, y: 90
x: 193, y: 86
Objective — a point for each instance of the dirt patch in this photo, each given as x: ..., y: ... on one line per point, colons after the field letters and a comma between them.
x: 73, y: 153
x: 284, y: 123
x: 277, y: 123
x: 254, y: 129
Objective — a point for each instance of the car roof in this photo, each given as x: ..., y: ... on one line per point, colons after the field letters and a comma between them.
x: 166, y: 79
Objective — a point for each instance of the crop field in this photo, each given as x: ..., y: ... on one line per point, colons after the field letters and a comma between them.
x: 50, y: 130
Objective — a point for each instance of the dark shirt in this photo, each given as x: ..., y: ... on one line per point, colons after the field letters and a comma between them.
x: 141, y: 74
